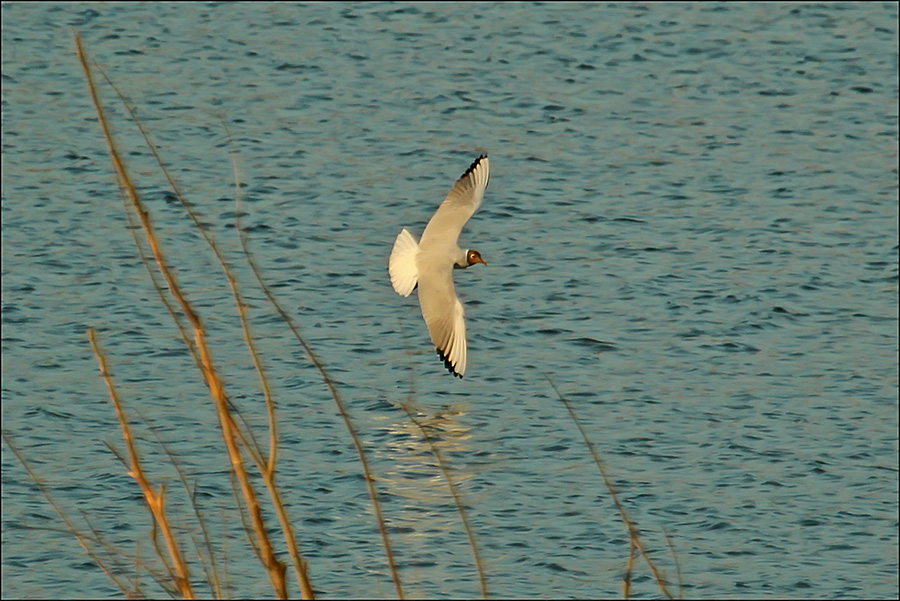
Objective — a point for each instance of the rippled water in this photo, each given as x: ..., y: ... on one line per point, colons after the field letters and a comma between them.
x: 691, y: 227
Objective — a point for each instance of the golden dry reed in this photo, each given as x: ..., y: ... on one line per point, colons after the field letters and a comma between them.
x: 266, y: 466
x: 156, y: 501
x: 274, y: 568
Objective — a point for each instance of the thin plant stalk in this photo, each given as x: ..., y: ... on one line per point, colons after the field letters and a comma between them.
x: 164, y: 581
x: 629, y: 569
x: 299, y: 565
x: 341, y: 407
x: 251, y: 444
x: 248, y: 439
x: 457, y: 498
x: 212, y: 575
x: 134, y: 227
x: 155, y: 500
x: 70, y: 527
x: 629, y: 524
x: 677, y: 563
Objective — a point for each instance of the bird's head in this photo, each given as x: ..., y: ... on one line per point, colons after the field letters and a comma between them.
x: 472, y: 257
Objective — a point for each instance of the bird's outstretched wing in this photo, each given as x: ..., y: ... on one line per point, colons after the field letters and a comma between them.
x: 461, y: 203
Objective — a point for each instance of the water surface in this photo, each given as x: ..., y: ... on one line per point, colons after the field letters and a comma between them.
x: 691, y: 228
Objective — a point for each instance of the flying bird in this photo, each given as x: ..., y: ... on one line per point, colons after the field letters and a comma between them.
x: 429, y: 264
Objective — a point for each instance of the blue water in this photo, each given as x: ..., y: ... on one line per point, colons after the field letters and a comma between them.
x: 691, y: 228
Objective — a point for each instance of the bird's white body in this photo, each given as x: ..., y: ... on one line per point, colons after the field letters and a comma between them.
x: 429, y: 265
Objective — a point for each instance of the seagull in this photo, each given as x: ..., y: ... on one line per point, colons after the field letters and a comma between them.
x: 429, y: 264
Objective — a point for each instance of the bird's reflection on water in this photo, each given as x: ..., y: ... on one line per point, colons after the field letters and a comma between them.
x: 417, y: 475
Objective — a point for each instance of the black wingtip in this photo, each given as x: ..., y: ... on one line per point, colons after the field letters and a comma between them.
x: 474, y: 164
x: 447, y: 363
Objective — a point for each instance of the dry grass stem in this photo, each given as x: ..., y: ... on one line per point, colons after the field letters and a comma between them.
x: 207, y: 558
x: 70, y: 527
x: 457, y: 498
x: 677, y: 563
x: 341, y: 407
x: 633, y: 533
x: 155, y: 500
x: 629, y: 570
x: 114, y: 555
x: 210, y: 241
